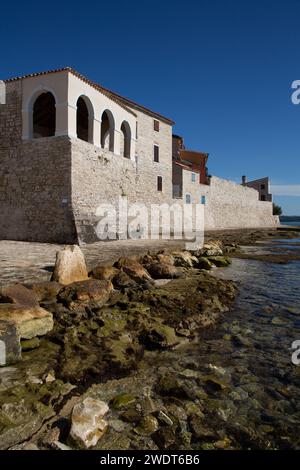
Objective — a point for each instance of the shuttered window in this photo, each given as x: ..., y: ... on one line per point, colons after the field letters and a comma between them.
x: 156, y: 153
x: 159, y: 183
x: 156, y: 125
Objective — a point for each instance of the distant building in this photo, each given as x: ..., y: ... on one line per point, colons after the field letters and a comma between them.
x: 262, y: 185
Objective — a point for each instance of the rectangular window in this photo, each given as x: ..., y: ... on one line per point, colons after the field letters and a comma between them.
x: 193, y: 177
x: 159, y: 183
x: 262, y: 187
x: 156, y: 153
x: 156, y: 125
x: 203, y: 200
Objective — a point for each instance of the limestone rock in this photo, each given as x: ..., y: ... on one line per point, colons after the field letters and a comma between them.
x: 134, y: 270
x: 220, y: 261
x: 212, y: 248
x: 105, y: 273
x: 18, y: 294
x: 86, y: 291
x: 162, y: 270
x: 30, y: 321
x: 184, y: 259
x: 70, y: 266
x: 204, y: 263
x: 45, y: 290
x: 10, y: 349
x: 88, y: 425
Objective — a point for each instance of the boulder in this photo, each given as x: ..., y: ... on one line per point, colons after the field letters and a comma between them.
x: 220, y: 261
x: 123, y: 281
x: 133, y: 269
x: 30, y: 321
x: 10, y: 349
x: 88, y: 425
x: 204, y: 263
x: 162, y: 271
x: 184, y: 259
x: 69, y: 266
x: 86, y: 291
x: 166, y: 258
x: 212, y: 248
x: 45, y: 290
x: 104, y: 273
x: 18, y: 294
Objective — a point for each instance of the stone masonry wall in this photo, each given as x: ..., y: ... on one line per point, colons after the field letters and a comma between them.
x: 35, y: 190
x: 230, y: 205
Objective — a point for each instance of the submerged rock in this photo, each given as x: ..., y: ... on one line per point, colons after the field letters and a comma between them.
x: 69, y: 266
x: 88, y: 425
x: 123, y: 400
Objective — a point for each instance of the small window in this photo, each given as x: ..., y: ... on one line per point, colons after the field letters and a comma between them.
x: 156, y: 125
x: 203, y: 200
x: 159, y: 183
x: 188, y: 199
x: 156, y: 153
x: 262, y: 187
x: 193, y: 177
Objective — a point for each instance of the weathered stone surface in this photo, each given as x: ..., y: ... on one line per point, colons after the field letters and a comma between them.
x: 10, y: 349
x: 134, y: 270
x: 70, y: 266
x: 184, y: 259
x: 123, y: 281
x: 18, y: 294
x: 204, y: 263
x: 88, y: 425
x: 29, y: 344
x: 29, y: 321
x: 86, y: 291
x: 212, y: 248
x: 45, y: 290
x: 162, y: 270
x: 106, y: 273
x: 219, y: 261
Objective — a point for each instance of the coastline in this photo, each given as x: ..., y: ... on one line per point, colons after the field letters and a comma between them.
x: 110, y: 351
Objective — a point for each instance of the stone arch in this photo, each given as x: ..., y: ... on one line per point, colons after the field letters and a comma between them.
x: 107, y: 130
x: 84, y: 119
x: 125, y: 140
x: 43, y: 115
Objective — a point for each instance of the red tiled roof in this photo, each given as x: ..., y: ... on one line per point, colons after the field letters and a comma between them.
x: 121, y: 100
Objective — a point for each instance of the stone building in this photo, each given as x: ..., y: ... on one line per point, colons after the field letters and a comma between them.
x: 68, y: 145
x: 262, y: 185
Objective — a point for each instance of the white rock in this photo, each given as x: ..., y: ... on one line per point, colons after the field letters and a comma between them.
x: 88, y: 425
x: 70, y: 266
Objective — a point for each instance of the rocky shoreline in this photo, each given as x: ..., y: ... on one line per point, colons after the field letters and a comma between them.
x: 91, y: 379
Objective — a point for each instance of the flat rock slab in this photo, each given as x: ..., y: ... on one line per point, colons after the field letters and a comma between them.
x: 18, y: 294
x: 29, y: 321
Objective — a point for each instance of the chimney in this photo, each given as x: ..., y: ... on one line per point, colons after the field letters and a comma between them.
x: 244, y: 180
x: 2, y: 92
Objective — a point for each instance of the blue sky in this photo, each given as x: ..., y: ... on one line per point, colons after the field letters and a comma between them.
x: 222, y: 69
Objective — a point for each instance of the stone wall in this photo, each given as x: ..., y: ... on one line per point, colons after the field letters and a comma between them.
x: 35, y: 190
x: 230, y: 205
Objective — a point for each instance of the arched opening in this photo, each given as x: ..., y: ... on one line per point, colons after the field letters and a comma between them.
x: 84, y: 119
x: 125, y: 140
x: 107, y: 131
x: 44, y: 116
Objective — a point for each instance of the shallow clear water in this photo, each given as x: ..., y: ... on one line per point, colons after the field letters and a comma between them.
x: 251, y: 350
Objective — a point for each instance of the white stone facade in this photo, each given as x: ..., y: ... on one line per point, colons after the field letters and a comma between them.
x: 51, y: 186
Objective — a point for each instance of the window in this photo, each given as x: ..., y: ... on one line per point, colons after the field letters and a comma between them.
x: 159, y: 183
x: 262, y: 197
x: 203, y: 199
x: 107, y: 130
x: 84, y: 119
x: 156, y: 153
x: 44, y: 116
x: 125, y: 140
x: 188, y: 199
x: 156, y: 125
x: 262, y: 187
x: 193, y: 177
